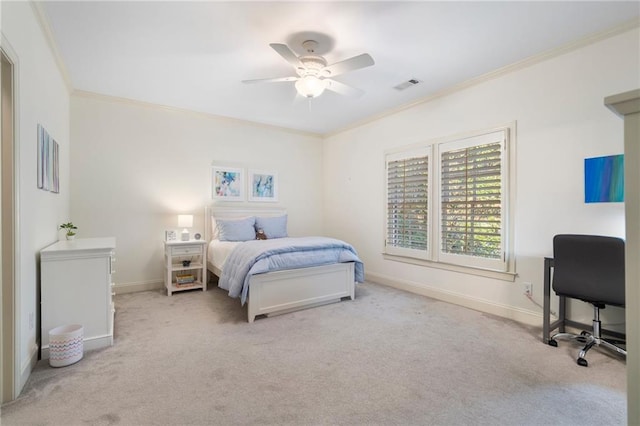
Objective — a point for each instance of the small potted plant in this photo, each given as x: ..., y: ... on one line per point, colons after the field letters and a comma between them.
x: 69, y: 227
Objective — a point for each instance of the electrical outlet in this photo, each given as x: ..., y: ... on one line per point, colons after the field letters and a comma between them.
x: 528, y: 289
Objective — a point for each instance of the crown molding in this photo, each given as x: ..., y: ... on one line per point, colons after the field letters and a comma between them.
x: 525, y: 63
x: 516, y: 66
x: 41, y: 15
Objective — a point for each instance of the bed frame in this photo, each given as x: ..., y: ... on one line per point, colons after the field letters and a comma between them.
x: 280, y: 292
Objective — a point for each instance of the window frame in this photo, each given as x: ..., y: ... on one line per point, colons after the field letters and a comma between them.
x: 504, y: 268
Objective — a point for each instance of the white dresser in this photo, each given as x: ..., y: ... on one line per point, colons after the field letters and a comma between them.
x: 76, y: 288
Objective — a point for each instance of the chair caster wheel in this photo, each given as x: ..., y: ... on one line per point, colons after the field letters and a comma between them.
x: 584, y: 333
x: 553, y: 343
x: 583, y: 362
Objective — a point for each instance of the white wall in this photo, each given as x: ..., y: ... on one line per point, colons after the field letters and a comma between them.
x: 42, y: 97
x: 561, y: 120
x: 136, y: 166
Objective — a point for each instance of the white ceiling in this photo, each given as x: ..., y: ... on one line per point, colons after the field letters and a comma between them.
x: 193, y: 55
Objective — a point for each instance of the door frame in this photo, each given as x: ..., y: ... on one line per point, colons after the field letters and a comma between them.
x: 10, y: 372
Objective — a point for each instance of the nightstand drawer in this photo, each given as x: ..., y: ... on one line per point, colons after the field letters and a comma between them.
x: 189, y: 250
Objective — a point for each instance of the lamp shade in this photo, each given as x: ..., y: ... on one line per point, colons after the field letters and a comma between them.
x: 310, y: 86
x: 185, y: 220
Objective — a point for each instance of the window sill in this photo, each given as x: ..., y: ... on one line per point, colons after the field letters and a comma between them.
x: 504, y: 276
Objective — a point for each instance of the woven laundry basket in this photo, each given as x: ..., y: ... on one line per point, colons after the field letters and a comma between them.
x: 65, y: 345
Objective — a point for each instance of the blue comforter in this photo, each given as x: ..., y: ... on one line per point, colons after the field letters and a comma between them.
x: 256, y: 257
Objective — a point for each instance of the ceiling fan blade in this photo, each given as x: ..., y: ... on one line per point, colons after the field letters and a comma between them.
x: 341, y: 88
x: 284, y: 51
x: 351, y: 64
x: 270, y: 80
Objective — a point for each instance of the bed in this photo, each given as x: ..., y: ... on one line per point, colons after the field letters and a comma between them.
x: 244, y: 266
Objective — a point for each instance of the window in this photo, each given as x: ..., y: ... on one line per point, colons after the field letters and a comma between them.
x: 454, y: 211
x: 407, y: 203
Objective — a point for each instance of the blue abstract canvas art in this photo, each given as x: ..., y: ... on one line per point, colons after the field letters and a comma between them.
x: 227, y: 184
x: 263, y: 186
x: 604, y: 179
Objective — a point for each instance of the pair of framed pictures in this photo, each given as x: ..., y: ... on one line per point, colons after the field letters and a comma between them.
x: 228, y: 184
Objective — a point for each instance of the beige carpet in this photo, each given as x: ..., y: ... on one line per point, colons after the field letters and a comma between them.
x: 388, y: 358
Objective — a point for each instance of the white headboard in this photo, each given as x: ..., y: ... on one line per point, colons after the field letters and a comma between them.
x: 232, y: 212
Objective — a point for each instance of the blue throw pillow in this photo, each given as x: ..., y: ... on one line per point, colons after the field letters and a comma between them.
x: 236, y: 229
x: 273, y: 227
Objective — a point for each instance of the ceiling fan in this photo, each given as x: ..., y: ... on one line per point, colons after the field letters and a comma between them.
x: 314, y: 75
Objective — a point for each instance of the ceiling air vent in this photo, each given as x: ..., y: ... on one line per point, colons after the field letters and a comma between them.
x: 407, y: 84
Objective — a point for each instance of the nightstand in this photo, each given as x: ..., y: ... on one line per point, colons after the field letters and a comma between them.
x: 185, y: 265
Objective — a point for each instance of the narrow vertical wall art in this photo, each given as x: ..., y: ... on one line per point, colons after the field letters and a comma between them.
x: 48, y: 162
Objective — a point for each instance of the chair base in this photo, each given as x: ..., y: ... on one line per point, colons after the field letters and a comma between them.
x: 590, y: 340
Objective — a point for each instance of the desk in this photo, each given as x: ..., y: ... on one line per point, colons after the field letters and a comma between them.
x: 562, y: 321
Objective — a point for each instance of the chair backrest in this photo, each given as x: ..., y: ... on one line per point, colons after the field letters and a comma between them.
x: 590, y: 268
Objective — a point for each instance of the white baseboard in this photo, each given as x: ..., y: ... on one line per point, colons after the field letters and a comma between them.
x: 517, y: 314
x: 137, y: 286
x: 26, y: 368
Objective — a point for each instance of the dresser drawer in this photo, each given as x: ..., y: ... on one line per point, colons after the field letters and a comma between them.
x: 186, y: 250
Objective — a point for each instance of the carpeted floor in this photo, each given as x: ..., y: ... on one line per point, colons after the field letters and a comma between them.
x: 387, y: 358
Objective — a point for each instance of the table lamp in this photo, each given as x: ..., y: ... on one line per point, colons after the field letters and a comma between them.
x: 185, y: 221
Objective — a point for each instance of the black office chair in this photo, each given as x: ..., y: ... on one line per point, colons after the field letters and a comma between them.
x: 589, y: 268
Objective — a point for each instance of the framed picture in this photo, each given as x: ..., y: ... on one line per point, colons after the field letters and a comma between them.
x: 170, y: 235
x: 263, y: 186
x: 227, y: 183
x: 48, y: 162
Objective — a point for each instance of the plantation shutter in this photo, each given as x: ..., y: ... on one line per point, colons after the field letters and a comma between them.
x: 407, y: 204
x: 471, y: 198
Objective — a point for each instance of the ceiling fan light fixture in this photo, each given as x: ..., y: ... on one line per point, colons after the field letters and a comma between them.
x: 310, y: 86
x: 314, y: 75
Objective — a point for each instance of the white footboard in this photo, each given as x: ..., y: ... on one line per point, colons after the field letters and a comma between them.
x: 295, y: 289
